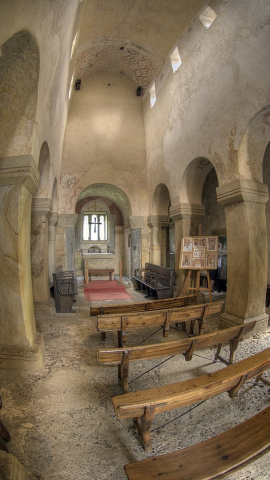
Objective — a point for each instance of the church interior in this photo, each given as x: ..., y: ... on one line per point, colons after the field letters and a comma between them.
x: 125, y: 127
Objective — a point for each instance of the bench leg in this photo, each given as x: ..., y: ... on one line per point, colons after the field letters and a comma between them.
x: 123, y: 371
x: 143, y: 425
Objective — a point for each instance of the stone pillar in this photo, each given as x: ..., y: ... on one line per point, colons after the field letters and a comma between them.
x: 20, y: 344
x: 137, y: 243
x: 244, y: 205
x: 68, y: 223
x: 51, y: 247
x: 158, y: 238
x: 41, y: 211
x: 187, y: 218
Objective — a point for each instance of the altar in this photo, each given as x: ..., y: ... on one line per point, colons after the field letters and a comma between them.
x: 98, y: 264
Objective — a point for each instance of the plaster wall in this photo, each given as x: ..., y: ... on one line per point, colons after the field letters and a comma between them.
x: 104, y: 141
x: 203, y: 109
x: 53, y: 26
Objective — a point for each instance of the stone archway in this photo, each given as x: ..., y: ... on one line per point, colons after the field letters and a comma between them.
x: 159, y: 222
x: 19, y: 181
x: 41, y: 212
x: 244, y: 202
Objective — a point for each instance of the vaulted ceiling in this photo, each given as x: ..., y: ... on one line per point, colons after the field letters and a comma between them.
x: 131, y: 37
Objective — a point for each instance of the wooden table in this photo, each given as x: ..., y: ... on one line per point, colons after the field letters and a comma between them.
x: 89, y: 272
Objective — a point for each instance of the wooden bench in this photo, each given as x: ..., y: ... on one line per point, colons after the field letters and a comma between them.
x: 180, y: 301
x: 162, y: 318
x: 65, y: 288
x: 187, y: 346
x: 4, y: 434
x: 158, y: 281
x: 143, y: 405
x: 219, y: 455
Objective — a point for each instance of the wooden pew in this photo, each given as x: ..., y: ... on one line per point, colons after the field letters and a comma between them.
x: 162, y: 318
x: 65, y: 287
x: 143, y: 405
x: 187, y: 346
x: 180, y: 301
x: 220, y: 455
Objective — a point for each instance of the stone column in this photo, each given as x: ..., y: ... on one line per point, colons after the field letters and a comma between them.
x: 244, y: 204
x: 41, y: 211
x: 158, y: 238
x: 20, y: 344
x: 137, y: 243
x: 67, y: 222
x: 53, y: 220
x: 187, y: 219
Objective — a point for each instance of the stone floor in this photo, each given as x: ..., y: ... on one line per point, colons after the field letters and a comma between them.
x: 62, y: 422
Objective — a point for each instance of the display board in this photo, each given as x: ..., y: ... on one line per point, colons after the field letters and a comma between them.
x: 199, y: 253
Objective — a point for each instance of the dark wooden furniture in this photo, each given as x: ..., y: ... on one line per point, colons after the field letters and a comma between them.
x: 163, y: 318
x: 221, y: 284
x: 157, y: 281
x: 143, y: 405
x: 65, y: 288
x: 267, y: 299
x: 219, y: 455
x: 4, y: 434
x: 180, y: 301
x: 187, y: 346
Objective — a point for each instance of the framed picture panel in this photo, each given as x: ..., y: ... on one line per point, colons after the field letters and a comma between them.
x: 199, y: 253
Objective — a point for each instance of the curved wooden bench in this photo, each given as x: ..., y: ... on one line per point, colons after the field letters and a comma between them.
x: 206, y: 460
x: 180, y: 301
x: 123, y: 323
x: 187, y: 346
x: 143, y: 405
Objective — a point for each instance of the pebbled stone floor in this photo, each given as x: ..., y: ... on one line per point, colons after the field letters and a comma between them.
x: 61, y: 420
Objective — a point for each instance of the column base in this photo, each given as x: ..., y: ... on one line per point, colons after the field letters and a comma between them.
x: 227, y: 320
x: 44, y: 309
x: 23, y: 358
x: 10, y: 467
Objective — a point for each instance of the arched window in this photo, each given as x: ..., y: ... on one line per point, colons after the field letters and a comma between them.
x: 95, y: 226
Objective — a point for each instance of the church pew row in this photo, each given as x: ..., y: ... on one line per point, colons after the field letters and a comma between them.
x: 213, y: 458
x: 180, y: 301
x: 187, y: 346
x: 143, y: 405
x: 162, y: 318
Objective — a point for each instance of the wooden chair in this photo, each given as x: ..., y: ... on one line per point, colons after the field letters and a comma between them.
x: 213, y: 458
x: 143, y: 405
x: 187, y: 346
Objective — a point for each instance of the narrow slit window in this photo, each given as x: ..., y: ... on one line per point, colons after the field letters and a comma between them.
x: 175, y: 60
x: 153, y: 97
x: 207, y: 17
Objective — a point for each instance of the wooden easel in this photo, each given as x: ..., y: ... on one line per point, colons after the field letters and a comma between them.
x: 197, y: 286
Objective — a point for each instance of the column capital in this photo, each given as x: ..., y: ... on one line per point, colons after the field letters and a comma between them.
x: 242, y: 190
x: 53, y: 221
x: 42, y: 206
x: 19, y: 170
x: 184, y: 210
x: 67, y: 219
x: 158, y: 221
x: 136, y: 222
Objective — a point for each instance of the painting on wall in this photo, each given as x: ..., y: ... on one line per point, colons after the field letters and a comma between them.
x: 199, y: 253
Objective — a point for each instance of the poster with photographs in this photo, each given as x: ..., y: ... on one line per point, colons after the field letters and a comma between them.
x: 199, y: 253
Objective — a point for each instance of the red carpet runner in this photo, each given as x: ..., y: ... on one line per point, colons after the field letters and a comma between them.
x: 104, y: 290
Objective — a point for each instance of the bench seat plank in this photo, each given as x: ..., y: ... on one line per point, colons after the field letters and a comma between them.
x: 144, y: 306
x: 209, y: 459
x: 142, y: 405
x: 123, y: 356
x: 123, y: 323
x: 180, y: 394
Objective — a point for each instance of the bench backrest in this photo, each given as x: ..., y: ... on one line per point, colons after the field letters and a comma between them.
x: 117, y: 322
x: 211, y: 458
x: 187, y: 392
x: 114, y: 356
x: 145, y: 306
